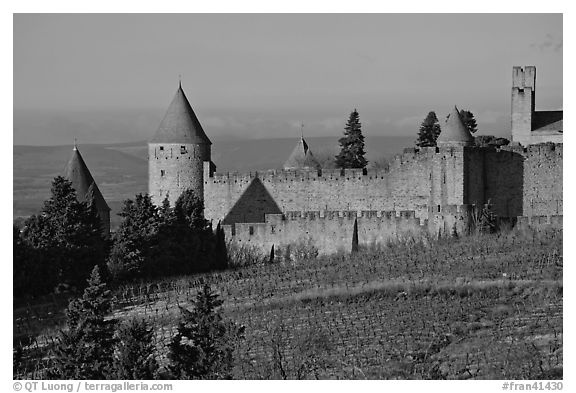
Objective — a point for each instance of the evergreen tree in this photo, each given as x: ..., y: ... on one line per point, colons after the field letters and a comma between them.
x: 352, y: 144
x: 469, y: 120
x: 429, y: 131
x: 204, y: 344
x: 134, y: 358
x: 68, y: 236
x: 220, y: 251
x: 189, y: 208
x: 355, y: 237
x: 134, y: 241
x: 85, y: 350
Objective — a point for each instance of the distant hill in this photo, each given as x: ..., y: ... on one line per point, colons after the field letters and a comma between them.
x: 121, y: 170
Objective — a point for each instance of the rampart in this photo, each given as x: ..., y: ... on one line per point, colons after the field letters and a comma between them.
x: 427, y: 191
x: 414, y: 180
x: 332, y: 231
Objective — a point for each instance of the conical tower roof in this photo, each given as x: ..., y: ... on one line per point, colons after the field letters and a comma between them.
x: 454, y: 131
x: 180, y: 124
x: 301, y: 157
x: 86, y: 189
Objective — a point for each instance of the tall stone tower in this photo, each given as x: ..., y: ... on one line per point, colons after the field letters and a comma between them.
x: 177, y: 153
x: 523, y: 102
x: 86, y: 189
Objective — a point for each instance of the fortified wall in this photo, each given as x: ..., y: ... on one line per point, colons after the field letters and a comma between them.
x: 426, y: 190
x: 332, y: 231
x: 405, y: 185
x: 516, y: 181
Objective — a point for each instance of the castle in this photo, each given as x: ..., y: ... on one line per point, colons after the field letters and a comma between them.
x: 426, y: 190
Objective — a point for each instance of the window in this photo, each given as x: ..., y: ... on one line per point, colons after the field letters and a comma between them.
x: 162, y: 172
x: 183, y: 150
x: 161, y: 148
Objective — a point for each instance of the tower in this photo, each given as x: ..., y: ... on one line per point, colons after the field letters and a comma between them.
x: 301, y: 157
x: 82, y: 181
x: 454, y: 132
x: 523, y: 102
x: 177, y: 152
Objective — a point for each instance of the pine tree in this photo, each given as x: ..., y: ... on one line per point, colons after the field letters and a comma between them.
x: 134, y: 358
x: 352, y: 144
x: 469, y: 120
x: 429, y: 131
x: 67, y: 235
x: 204, y: 344
x: 85, y: 350
x: 135, y: 239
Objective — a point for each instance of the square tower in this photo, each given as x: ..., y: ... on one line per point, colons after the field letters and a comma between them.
x: 523, y: 102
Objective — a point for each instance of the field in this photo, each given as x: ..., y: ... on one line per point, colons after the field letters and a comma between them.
x: 483, y: 307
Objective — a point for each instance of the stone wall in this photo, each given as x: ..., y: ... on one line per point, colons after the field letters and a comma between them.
x: 173, y: 168
x: 414, y: 180
x: 542, y: 195
x: 332, y: 231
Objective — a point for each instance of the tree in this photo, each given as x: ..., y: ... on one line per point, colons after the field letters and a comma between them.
x: 469, y: 120
x: 85, y: 350
x: 67, y: 234
x: 220, y: 251
x: 355, y: 236
x: 189, y: 208
x: 135, y: 239
x: 204, y: 344
x: 134, y: 357
x: 352, y: 144
x: 429, y: 131
x: 490, y: 140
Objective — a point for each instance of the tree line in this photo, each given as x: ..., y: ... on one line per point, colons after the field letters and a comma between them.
x: 57, y: 248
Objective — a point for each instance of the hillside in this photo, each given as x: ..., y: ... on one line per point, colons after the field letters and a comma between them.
x: 485, y: 307
x: 121, y: 170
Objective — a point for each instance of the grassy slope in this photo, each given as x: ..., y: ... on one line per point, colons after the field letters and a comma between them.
x: 486, y: 307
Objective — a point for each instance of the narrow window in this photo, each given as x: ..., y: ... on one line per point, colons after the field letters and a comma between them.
x: 438, y: 208
x: 251, y: 230
x: 162, y: 172
x: 182, y: 149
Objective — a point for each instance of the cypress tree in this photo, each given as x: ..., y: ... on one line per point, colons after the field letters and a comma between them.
x: 429, y: 131
x: 355, y: 236
x: 352, y: 144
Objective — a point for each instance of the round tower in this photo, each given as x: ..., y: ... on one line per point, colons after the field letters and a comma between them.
x: 77, y: 173
x: 454, y: 133
x: 177, y: 153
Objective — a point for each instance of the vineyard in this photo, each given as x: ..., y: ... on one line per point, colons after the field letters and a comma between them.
x: 486, y: 306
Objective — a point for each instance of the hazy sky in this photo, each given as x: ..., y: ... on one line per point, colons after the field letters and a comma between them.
x: 110, y: 77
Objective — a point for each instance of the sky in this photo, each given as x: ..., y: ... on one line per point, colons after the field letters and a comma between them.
x: 107, y: 78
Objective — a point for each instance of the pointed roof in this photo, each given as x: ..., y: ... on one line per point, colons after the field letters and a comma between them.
x: 301, y: 157
x: 180, y: 124
x: 454, y: 131
x: 86, y: 189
